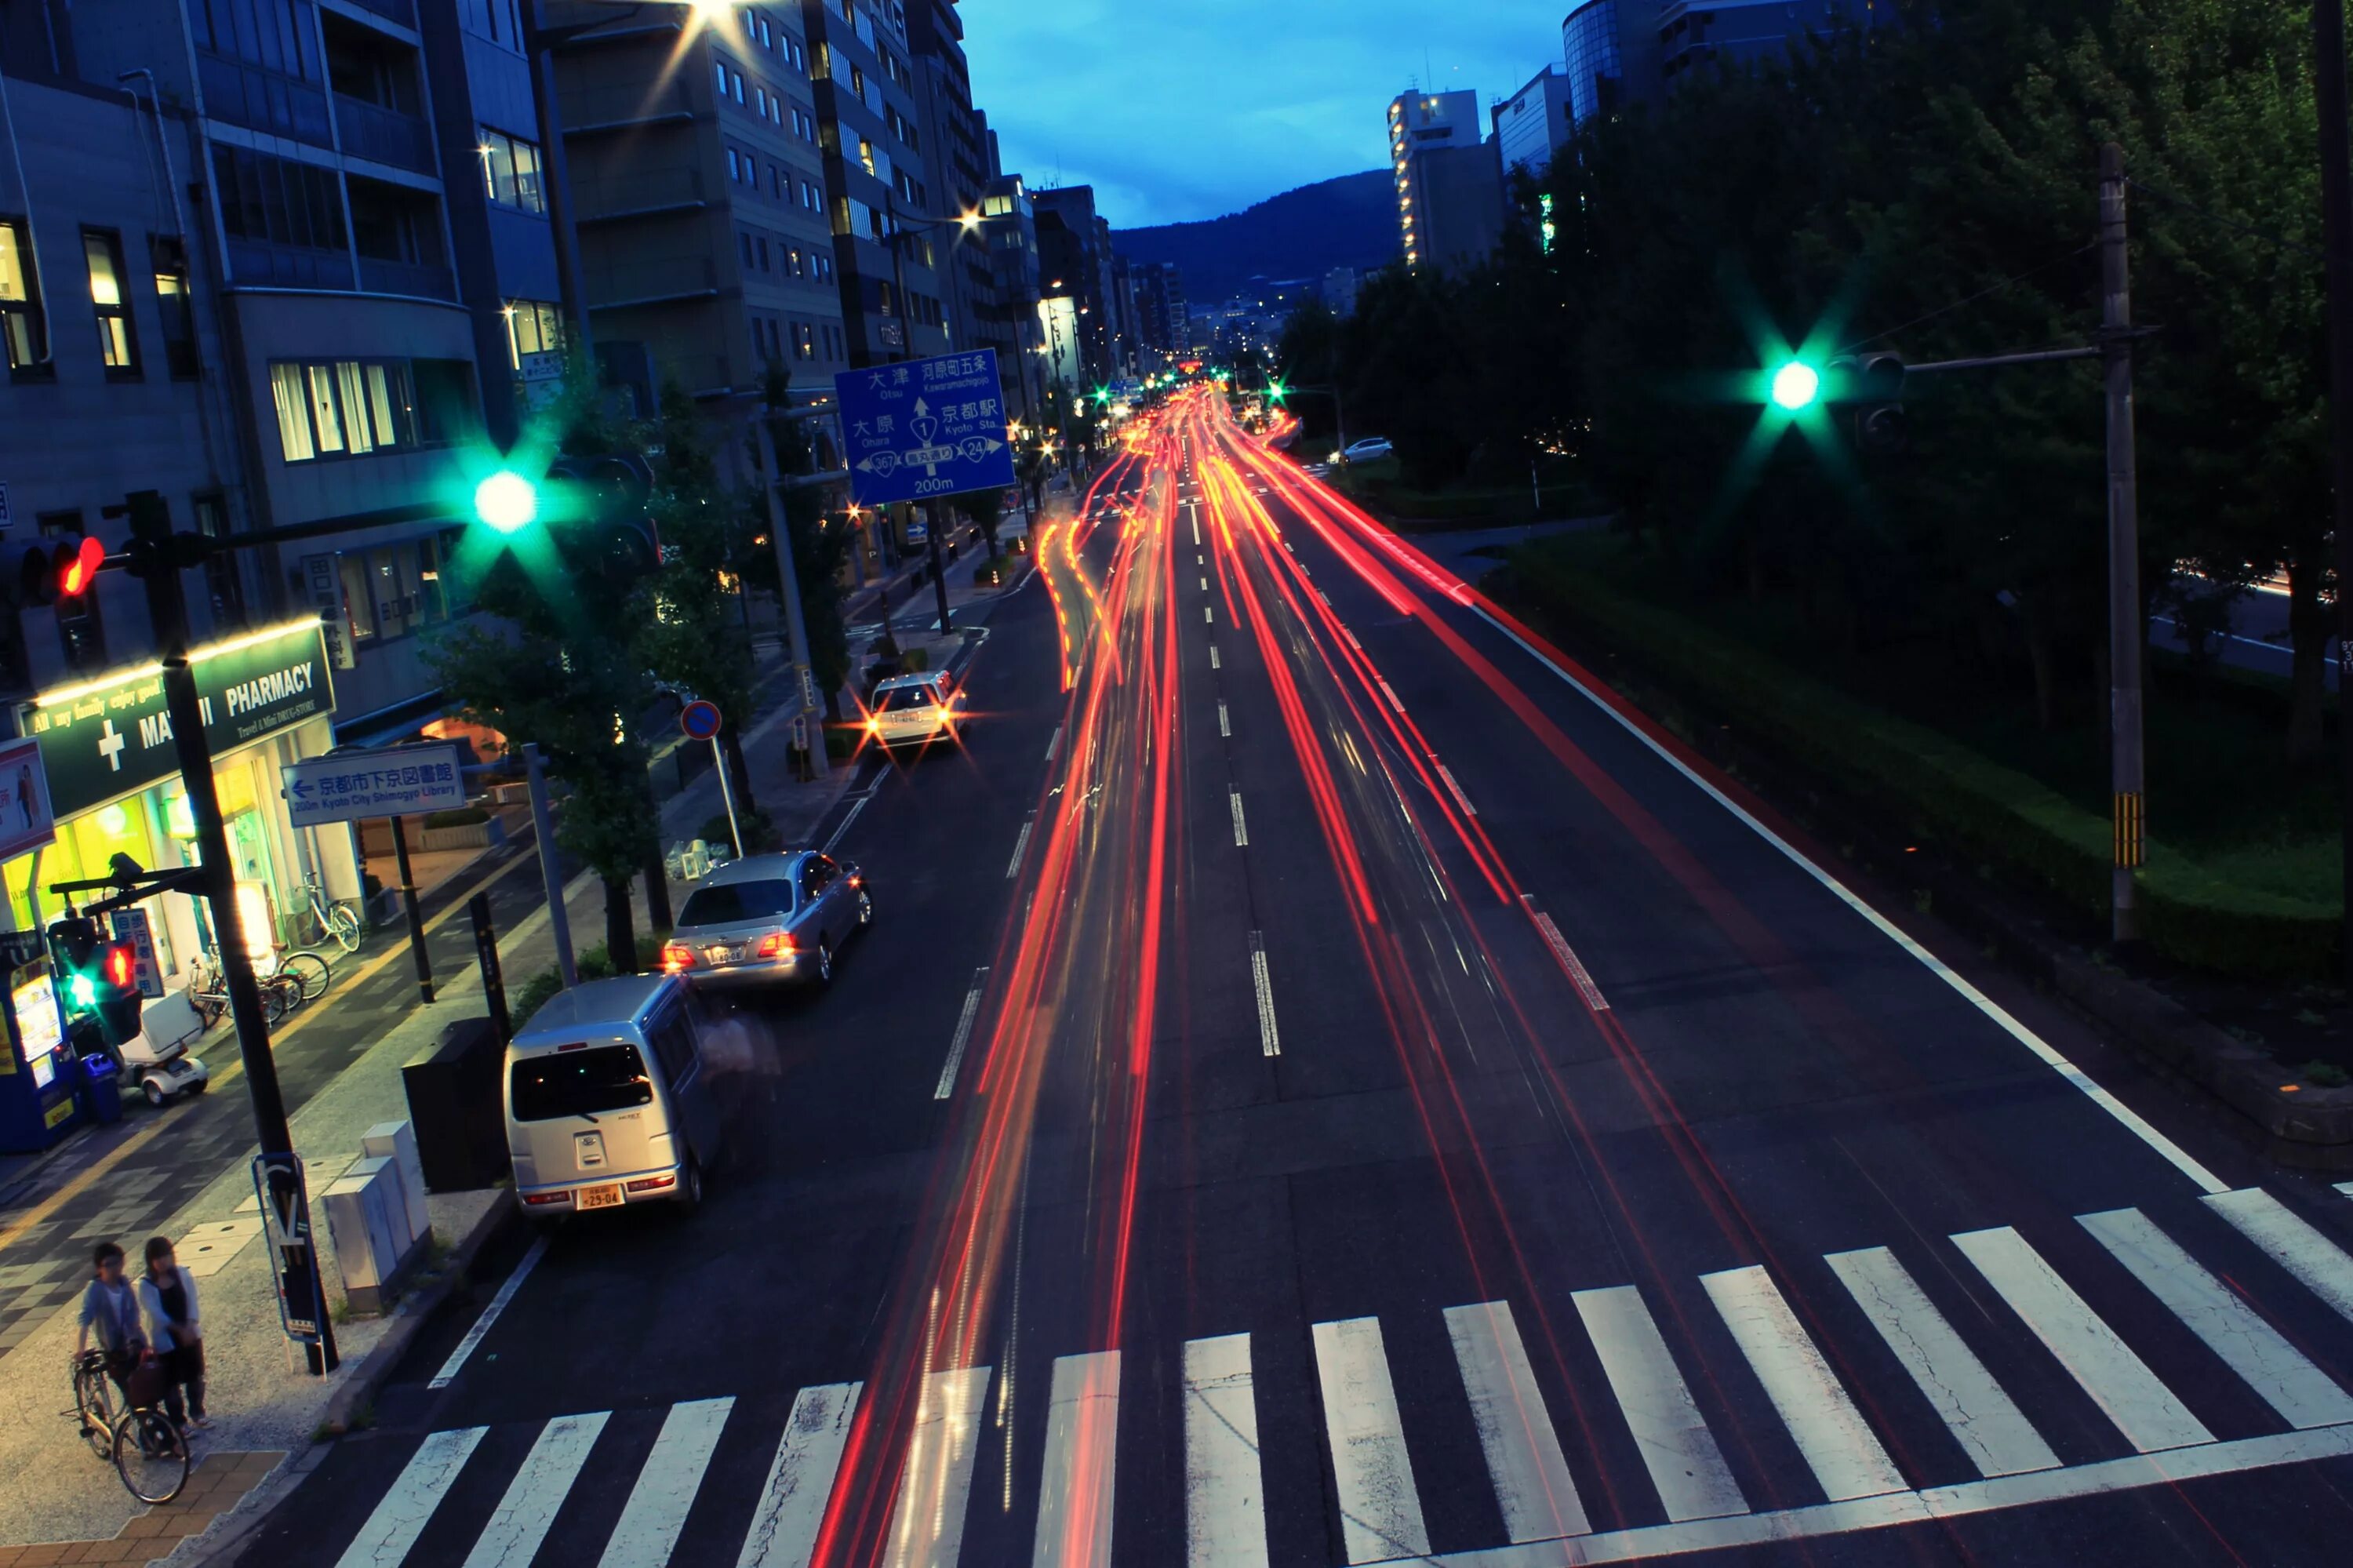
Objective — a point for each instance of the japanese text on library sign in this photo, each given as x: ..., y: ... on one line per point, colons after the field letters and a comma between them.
x: 925, y: 427
x: 355, y: 784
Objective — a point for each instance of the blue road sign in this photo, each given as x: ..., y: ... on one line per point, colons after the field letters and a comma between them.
x: 925, y: 427
x: 699, y: 719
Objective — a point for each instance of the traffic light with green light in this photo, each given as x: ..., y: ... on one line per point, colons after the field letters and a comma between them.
x: 1796, y: 384
x: 99, y: 977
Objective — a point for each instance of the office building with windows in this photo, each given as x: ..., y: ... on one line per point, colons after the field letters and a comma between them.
x: 1420, y: 125
x: 878, y: 184
x: 1695, y: 34
x: 698, y: 190
x: 1075, y: 257
x: 1533, y: 124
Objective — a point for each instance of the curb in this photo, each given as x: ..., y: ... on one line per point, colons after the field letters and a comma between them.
x: 233, y: 1528
x: 2302, y: 1126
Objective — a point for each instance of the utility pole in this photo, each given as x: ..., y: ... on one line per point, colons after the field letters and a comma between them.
x: 2337, y: 231
x: 788, y: 583
x: 2124, y: 635
x: 931, y: 508
x: 167, y: 607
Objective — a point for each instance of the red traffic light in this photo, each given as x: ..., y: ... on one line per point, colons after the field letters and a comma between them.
x: 78, y: 566
x: 120, y: 966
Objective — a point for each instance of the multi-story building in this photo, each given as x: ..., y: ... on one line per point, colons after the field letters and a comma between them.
x: 878, y: 184
x: 1338, y: 291
x: 1735, y: 33
x: 1162, y: 330
x: 961, y: 152
x: 281, y: 266
x: 1009, y: 230
x: 1533, y: 124
x: 1609, y: 50
x: 1421, y: 123
x: 1075, y: 257
x: 698, y: 191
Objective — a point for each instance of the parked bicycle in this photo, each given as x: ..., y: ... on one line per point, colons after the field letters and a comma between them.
x: 150, y: 1453
x: 338, y: 918
x: 299, y: 977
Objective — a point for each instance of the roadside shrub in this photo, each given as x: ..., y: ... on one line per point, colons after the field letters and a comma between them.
x: 457, y: 817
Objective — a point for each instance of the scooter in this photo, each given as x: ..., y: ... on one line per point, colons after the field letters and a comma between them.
x: 158, y: 1055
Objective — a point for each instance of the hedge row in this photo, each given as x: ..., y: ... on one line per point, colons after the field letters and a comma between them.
x: 1945, y: 793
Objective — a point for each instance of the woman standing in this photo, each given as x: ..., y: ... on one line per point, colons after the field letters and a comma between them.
x: 167, y: 1295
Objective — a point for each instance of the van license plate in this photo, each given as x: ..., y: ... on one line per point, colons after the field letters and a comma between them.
x: 607, y: 1196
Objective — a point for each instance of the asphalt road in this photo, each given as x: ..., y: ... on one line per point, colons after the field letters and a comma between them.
x: 1322, y: 1087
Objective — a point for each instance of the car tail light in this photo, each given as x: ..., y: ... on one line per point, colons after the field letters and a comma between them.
x: 677, y: 956
x: 542, y: 1200
x: 774, y: 942
x: 650, y: 1183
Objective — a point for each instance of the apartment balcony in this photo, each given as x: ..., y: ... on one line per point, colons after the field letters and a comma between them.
x: 257, y: 264
x: 381, y: 275
x: 600, y: 111
x: 401, y: 11
x: 385, y: 136
x: 638, y: 194
x: 651, y: 281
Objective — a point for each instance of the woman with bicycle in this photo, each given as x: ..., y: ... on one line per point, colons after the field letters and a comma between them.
x: 167, y: 1298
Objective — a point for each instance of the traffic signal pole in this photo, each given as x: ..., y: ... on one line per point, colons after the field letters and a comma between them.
x: 2124, y: 634
x: 167, y: 607
x: 2337, y: 238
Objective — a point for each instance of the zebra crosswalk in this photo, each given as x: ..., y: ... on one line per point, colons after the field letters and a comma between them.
x: 2052, y: 1306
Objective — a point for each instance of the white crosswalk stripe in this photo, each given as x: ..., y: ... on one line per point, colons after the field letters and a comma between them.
x: 1225, y: 1492
x: 1986, y: 1422
x: 511, y: 1538
x: 1380, y: 1511
x: 2233, y: 1330
x: 1829, y: 1431
x: 791, y: 1509
x: 2119, y: 1381
x: 1682, y: 1458
x: 2292, y: 1241
x: 1074, y: 1494
x: 667, y: 1483
x: 1533, y: 1487
x: 1350, y: 1395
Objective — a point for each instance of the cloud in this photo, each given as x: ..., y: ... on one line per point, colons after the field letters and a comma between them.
x: 1177, y: 110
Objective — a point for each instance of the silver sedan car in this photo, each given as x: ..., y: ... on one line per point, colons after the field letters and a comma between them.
x: 768, y: 919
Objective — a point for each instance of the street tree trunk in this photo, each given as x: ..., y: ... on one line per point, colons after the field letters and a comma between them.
x: 2309, y: 626
x: 620, y: 938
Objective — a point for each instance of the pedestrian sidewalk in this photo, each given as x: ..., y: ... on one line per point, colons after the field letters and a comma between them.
x: 62, y: 1504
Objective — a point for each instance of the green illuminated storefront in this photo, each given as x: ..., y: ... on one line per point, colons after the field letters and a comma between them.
x: 114, y: 784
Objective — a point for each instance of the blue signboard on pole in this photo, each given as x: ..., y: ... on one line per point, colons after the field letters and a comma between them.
x: 925, y: 427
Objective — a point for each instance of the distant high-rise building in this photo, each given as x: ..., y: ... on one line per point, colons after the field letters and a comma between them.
x: 1339, y: 291
x: 1420, y: 126
x: 1609, y: 50
x: 1075, y: 257
x: 1162, y: 328
x: 1695, y: 33
x: 1533, y: 124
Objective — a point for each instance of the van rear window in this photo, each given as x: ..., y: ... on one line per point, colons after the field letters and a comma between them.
x: 581, y: 1083
x: 901, y: 698
x: 732, y: 901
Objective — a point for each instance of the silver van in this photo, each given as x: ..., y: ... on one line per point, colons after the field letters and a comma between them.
x: 608, y: 1098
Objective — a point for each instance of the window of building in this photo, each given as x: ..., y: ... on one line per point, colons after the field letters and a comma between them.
x: 767, y: 40
x: 744, y: 246
x: 172, y: 302
x: 118, y: 345
x: 21, y: 322
x: 359, y: 598
x: 866, y: 154
x: 760, y: 100
x: 793, y: 261
x: 448, y: 406
x: 804, y: 341
x: 762, y: 247
x: 511, y: 171
x: 735, y: 85
x: 719, y: 76
x: 500, y: 21
x: 278, y: 201
x: 534, y: 326
x: 823, y: 69
x: 735, y: 168
x: 344, y: 407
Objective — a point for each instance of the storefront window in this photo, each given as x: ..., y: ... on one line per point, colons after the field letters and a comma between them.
x: 359, y: 598
x: 385, y: 575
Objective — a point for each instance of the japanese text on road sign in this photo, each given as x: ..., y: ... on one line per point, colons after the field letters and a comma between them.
x: 925, y: 427
x: 348, y: 786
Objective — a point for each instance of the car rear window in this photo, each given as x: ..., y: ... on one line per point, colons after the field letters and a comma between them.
x: 900, y: 697
x: 580, y: 1082
x: 732, y: 901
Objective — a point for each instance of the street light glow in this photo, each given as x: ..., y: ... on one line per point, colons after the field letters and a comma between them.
x: 506, y: 501
x: 1796, y: 384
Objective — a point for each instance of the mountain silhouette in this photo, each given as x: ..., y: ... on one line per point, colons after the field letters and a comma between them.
x: 1350, y: 221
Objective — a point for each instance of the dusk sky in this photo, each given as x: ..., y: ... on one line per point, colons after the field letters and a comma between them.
x: 1176, y: 110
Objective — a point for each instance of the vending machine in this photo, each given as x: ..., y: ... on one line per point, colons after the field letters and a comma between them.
x: 37, y: 1105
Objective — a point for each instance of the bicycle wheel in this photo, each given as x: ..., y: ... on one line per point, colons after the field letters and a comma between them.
x: 151, y: 1456
x: 342, y: 923
x: 309, y: 972
x: 94, y: 1408
x: 273, y: 1000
